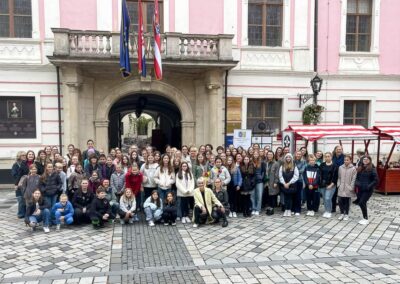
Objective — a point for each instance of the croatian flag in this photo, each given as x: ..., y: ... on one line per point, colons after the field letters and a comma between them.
x: 157, y: 43
x: 141, y: 47
x: 124, y: 61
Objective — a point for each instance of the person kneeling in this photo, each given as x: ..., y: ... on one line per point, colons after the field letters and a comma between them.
x: 169, y: 210
x: 37, y: 211
x: 153, y: 208
x: 100, y: 209
x: 81, y: 203
x: 204, y: 202
x: 63, y: 212
x: 127, y: 207
x: 222, y: 196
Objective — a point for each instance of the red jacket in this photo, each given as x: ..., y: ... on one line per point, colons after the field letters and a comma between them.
x: 133, y: 182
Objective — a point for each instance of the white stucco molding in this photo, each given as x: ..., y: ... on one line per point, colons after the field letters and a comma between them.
x: 360, y: 62
x: 265, y: 58
x: 24, y: 51
x: 285, y: 28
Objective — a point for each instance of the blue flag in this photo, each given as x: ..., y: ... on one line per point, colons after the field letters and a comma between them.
x: 124, y: 61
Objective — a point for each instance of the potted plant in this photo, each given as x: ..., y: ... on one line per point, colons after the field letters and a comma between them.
x: 312, y: 114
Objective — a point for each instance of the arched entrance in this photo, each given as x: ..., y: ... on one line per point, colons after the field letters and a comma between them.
x: 144, y: 118
x: 159, y: 93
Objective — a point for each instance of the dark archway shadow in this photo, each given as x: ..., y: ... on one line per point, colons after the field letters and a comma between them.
x: 165, y: 112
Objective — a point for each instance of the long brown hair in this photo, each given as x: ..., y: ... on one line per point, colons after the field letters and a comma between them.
x: 188, y: 172
x: 32, y: 199
x: 170, y: 166
x: 156, y: 202
x: 363, y: 167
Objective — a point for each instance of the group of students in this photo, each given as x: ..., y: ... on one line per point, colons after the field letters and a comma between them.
x: 92, y: 187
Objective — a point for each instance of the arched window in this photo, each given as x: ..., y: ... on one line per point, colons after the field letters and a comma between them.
x: 16, y: 18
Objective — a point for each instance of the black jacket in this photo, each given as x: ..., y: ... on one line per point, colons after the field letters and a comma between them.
x: 99, y: 207
x: 31, y: 208
x: 366, y: 180
x: 40, y: 167
x: 248, y: 180
x: 222, y: 196
x: 52, y: 185
x: 329, y: 174
x: 170, y: 207
x: 18, y: 170
x: 82, y: 200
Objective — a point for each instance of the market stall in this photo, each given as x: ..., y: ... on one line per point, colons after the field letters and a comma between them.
x: 310, y: 133
x: 389, y: 177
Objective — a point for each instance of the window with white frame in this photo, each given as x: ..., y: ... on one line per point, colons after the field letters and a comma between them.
x: 359, y: 25
x: 265, y: 20
x: 356, y: 113
x: 147, y: 12
x: 16, y: 18
x: 269, y: 110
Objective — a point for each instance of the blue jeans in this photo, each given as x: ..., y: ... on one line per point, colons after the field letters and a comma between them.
x: 162, y: 193
x: 44, y: 216
x: 51, y: 200
x: 152, y: 214
x: 21, y: 207
x: 68, y: 218
x: 256, y: 197
x: 327, y: 194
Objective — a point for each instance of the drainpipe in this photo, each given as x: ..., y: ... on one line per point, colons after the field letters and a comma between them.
x: 315, y: 56
x: 226, y: 106
x: 59, y: 108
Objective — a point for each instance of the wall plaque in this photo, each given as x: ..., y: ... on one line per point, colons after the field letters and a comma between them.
x: 17, y: 117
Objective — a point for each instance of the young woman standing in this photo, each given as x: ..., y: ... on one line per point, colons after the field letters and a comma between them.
x: 329, y: 176
x: 346, y: 181
x: 366, y: 181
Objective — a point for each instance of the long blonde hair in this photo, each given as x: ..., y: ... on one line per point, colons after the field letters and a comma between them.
x: 288, y: 166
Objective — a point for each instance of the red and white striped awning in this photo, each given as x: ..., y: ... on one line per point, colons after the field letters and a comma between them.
x: 392, y: 132
x: 339, y: 132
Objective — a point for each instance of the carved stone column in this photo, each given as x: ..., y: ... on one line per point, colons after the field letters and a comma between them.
x: 216, y: 113
x: 101, y: 130
x: 71, y: 113
x: 188, y: 133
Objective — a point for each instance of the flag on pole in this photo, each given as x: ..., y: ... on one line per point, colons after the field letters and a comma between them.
x: 124, y: 61
x: 141, y: 46
x: 157, y: 42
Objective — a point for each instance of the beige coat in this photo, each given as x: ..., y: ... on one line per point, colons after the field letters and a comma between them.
x: 211, y: 201
x: 346, y: 181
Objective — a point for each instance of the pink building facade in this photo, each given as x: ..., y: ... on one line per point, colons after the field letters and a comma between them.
x: 273, y: 54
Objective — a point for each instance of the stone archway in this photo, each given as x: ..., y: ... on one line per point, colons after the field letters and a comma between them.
x: 133, y: 87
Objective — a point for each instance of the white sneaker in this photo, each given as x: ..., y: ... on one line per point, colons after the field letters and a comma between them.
x: 131, y: 221
x: 121, y: 221
x: 173, y: 224
x: 328, y: 215
x: 46, y: 230
x: 289, y: 213
x: 256, y: 213
x: 188, y: 220
x: 341, y: 217
x: 363, y: 222
x: 151, y: 223
x: 183, y: 220
x: 285, y: 213
x: 230, y: 215
x: 324, y: 215
x: 296, y: 214
x: 195, y: 225
x: 312, y: 213
x: 346, y: 218
x: 166, y: 224
x: 234, y: 215
x: 253, y: 212
x: 58, y: 227
x: 178, y: 219
x: 308, y: 213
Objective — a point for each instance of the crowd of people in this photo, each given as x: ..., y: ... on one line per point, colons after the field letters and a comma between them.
x: 191, y: 185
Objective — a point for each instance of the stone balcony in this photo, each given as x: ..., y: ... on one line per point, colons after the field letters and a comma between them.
x: 177, y: 49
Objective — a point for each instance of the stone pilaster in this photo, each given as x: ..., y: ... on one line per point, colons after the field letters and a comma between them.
x: 101, y: 130
x: 188, y: 133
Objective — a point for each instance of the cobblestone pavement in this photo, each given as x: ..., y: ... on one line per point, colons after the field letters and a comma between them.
x: 260, y: 249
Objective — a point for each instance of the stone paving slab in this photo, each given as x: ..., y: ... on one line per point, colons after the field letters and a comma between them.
x: 260, y: 249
